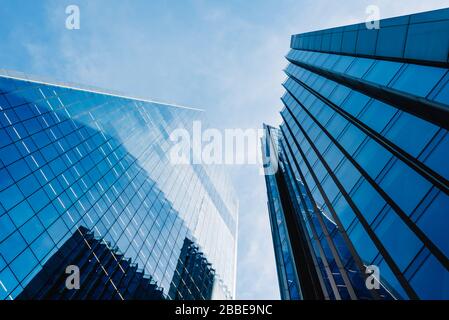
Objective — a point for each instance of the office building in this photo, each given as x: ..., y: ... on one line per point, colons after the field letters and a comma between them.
x: 73, y: 157
x: 362, y: 186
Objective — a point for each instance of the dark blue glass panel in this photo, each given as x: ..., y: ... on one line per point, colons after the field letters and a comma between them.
x: 390, y: 282
x: 355, y: 103
x: 405, y: 186
x: 428, y: 41
x: 9, y: 282
x: 6, y: 227
x: 432, y: 280
x: 373, y: 158
x: 352, y: 138
x: 363, y: 244
x: 343, y: 63
x: 348, y: 175
x: 411, y: 133
x: 360, y: 67
x: 390, y: 42
x: 368, y: 201
x: 383, y: 72
x: 21, y: 213
x: 377, y: 115
x: 24, y: 264
x: 443, y: 95
x: 437, y: 160
x: 437, y: 232
x: 10, y: 197
x: 418, y: 80
x: 344, y: 212
x: 398, y: 239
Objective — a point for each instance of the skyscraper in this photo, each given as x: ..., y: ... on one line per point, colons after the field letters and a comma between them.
x: 362, y: 187
x: 74, y: 158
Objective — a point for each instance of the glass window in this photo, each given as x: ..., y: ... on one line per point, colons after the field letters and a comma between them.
x: 411, y: 133
x: 418, y: 80
x: 401, y: 243
x: 10, y: 197
x: 325, y: 114
x: 29, y: 185
x: 389, y: 281
x: 355, y: 103
x: 336, y: 125
x: 339, y: 94
x: 435, y: 222
x: 390, y: 41
x: 383, y: 72
x: 377, y: 115
x: 21, y: 213
x: 42, y: 246
x: 9, y: 282
x: 24, y: 264
x: 19, y: 169
x: 352, y: 138
x: 443, y: 96
x: 58, y: 230
x: 368, y: 201
x: 432, y: 280
x: 373, y: 158
x: 360, y: 67
x: 363, y: 244
x: 333, y: 156
x: 348, y: 175
x: 38, y: 200
x: 12, y: 246
x: 330, y: 188
x: 344, y: 212
x: 343, y: 63
x: 31, y: 229
x: 4, y: 138
x: 6, y: 227
x: 405, y: 186
x: 9, y: 154
x: 5, y: 179
x: 437, y: 160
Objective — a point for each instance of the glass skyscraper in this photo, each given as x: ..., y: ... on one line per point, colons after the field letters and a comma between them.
x: 361, y: 190
x: 78, y: 164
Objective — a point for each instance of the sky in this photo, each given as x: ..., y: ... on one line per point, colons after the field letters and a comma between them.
x: 224, y: 56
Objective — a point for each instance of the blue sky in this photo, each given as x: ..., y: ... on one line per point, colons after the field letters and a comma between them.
x: 225, y: 56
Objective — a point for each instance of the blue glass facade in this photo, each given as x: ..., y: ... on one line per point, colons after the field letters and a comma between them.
x: 365, y: 136
x: 104, y: 274
x: 72, y: 158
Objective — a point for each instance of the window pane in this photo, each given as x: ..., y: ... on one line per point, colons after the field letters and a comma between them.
x: 405, y: 186
x: 437, y: 160
x: 432, y: 280
x: 368, y: 201
x: 383, y: 72
x: 418, y: 80
x: 360, y: 67
x: 373, y: 158
x: 411, y: 133
x: 435, y: 222
x: 378, y: 115
x: 400, y: 242
x: 363, y: 244
x: 355, y: 103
